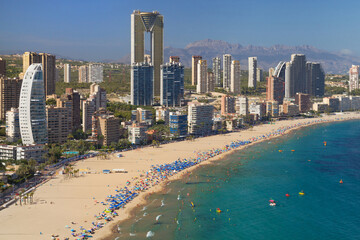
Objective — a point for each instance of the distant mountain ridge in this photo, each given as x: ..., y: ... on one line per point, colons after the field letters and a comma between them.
x: 267, y: 56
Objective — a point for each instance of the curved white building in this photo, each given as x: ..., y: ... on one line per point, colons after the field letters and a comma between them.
x: 32, y: 115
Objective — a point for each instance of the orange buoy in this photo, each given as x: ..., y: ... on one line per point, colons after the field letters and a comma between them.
x: 324, y: 143
x: 293, y: 150
x: 341, y: 181
x: 288, y: 195
x: 218, y: 210
x: 280, y: 150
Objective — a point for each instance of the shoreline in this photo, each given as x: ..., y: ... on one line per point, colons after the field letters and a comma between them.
x: 76, y: 196
x: 161, y: 187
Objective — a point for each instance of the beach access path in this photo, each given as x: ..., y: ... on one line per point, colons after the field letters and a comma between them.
x: 61, y: 202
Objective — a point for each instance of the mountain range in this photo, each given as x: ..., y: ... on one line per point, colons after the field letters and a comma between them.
x: 267, y: 56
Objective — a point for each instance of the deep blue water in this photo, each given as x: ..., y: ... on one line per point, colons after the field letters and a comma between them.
x: 242, y: 184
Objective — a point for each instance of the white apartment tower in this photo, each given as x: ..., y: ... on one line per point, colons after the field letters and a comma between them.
x: 252, y: 72
x: 226, y: 71
x: 95, y: 73
x: 353, y: 78
x: 217, y: 70
x: 201, y: 86
x: 32, y: 114
x: 235, y: 84
x: 67, y: 71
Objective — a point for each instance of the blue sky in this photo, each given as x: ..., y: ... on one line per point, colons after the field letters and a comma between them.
x: 97, y: 30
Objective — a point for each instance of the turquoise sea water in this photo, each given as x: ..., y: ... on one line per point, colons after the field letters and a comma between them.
x: 242, y: 184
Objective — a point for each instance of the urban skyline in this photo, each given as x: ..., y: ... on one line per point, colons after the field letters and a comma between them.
x: 85, y: 39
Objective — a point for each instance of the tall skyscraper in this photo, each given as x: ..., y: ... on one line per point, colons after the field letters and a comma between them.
x: 226, y: 71
x: 275, y: 88
x: 9, y: 94
x: 74, y: 97
x: 83, y: 74
x: 252, y: 72
x: 32, y: 115
x: 354, y: 78
x: 315, y: 80
x: 210, y: 84
x: 67, y: 72
x: 295, y: 76
x: 194, y: 68
x: 2, y: 67
x: 95, y: 73
x: 142, y: 76
x: 48, y: 66
x: 172, y: 84
x: 201, y: 86
x: 217, y: 70
x: 235, y: 86
x: 153, y: 23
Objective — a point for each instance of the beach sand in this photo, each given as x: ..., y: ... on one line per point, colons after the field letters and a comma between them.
x: 61, y: 201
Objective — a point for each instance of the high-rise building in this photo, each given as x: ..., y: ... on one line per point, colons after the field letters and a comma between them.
x: 252, y: 72
x: 58, y: 124
x: 32, y: 114
x: 227, y: 105
x: 295, y: 76
x: 74, y: 97
x: 12, y: 125
x: 194, y: 69
x: 48, y: 65
x: 67, y: 73
x: 242, y: 106
x: 95, y: 73
x: 303, y: 101
x: 2, y: 67
x: 226, y: 71
x: 106, y: 128
x: 9, y: 94
x: 259, y: 75
x: 210, y: 84
x: 275, y: 88
x: 96, y: 100
x: 272, y: 108
x: 235, y: 86
x: 172, y: 84
x: 315, y: 80
x: 178, y: 124
x: 201, y: 86
x: 353, y: 78
x: 83, y: 74
x: 217, y: 70
x: 153, y: 23
x: 137, y: 134
x: 200, y: 118
x: 142, y: 76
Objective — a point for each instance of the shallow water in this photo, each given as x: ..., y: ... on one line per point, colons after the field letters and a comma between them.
x: 242, y: 184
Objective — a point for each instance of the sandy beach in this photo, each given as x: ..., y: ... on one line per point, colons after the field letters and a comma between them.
x: 63, y: 201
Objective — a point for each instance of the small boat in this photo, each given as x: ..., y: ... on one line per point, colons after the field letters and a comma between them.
x: 218, y: 210
x: 192, y: 204
x: 280, y: 150
x: 288, y: 195
x: 273, y: 204
x: 301, y: 193
x: 325, y: 143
